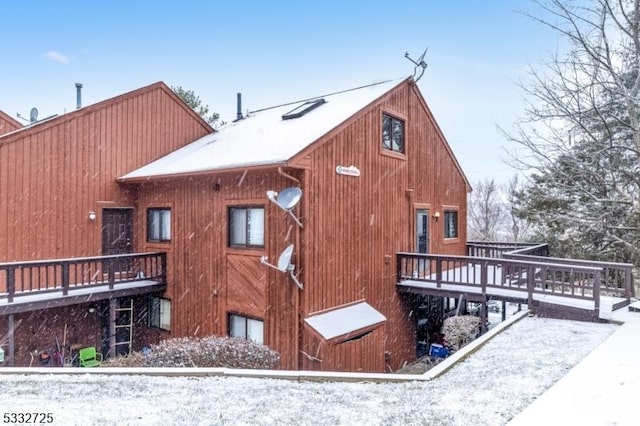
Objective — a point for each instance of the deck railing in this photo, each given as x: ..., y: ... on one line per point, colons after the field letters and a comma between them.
x: 495, y: 249
x: 66, y: 275
x: 617, y: 279
x: 510, y: 277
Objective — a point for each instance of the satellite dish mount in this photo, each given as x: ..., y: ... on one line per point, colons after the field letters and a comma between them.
x: 420, y: 65
x: 284, y: 265
x: 287, y: 199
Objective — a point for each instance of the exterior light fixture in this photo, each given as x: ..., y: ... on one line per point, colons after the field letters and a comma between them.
x: 92, y: 216
x: 436, y: 216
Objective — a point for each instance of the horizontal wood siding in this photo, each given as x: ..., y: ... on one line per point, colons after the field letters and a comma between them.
x: 207, y: 280
x: 355, y: 225
x: 54, y: 174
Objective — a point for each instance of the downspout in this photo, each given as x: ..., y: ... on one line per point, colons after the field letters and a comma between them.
x: 300, y: 242
x: 288, y: 176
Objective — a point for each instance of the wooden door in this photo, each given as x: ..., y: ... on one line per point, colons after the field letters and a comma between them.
x: 117, y: 234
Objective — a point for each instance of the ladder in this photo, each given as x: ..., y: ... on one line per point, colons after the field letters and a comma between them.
x: 121, y: 316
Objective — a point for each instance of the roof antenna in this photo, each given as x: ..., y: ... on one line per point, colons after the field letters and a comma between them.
x: 420, y: 63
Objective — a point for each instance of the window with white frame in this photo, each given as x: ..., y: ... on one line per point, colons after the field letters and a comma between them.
x: 246, y: 226
x: 451, y: 224
x: 160, y: 313
x: 247, y: 328
x: 159, y: 225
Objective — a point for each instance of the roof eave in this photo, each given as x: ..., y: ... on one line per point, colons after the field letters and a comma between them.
x: 230, y: 169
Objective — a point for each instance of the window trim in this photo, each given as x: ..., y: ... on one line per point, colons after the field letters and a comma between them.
x: 246, y: 245
x: 391, y: 152
x: 457, y: 225
x: 231, y: 314
x: 158, y: 209
x: 159, y: 325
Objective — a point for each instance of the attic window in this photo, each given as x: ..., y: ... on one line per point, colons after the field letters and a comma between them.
x: 304, y: 108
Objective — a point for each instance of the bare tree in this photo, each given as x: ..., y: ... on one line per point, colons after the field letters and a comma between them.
x: 486, y: 211
x: 517, y: 228
x: 580, y: 135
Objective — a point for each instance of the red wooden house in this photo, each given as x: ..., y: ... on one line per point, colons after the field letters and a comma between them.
x: 59, y: 199
x: 376, y: 176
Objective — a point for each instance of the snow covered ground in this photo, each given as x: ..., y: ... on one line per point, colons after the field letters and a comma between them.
x: 489, y: 388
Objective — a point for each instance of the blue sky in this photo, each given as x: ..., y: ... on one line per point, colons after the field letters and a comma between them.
x: 280, y: 51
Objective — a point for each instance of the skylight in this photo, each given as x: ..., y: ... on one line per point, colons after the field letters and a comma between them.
x: 303, y: 108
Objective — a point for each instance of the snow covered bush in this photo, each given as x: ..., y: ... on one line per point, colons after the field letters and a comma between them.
x: 460, y: 330
x: 212, y: 351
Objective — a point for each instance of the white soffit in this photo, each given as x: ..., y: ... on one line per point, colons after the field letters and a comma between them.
x: 343, y: 321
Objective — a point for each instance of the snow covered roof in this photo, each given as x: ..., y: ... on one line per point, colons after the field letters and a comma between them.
x: 264, y: 137
x: 345, y: 321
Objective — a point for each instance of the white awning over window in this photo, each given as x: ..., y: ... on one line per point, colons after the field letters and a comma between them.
x: 345, y: 321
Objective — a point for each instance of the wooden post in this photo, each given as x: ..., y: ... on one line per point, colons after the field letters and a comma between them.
x: 439, y: 272
x: 163, y: 266
x: 531, y: 270
x: 11, y: 361
x: 112, y: 327
x: 484, y: 277
x: 504, y: 310
x: 629, y: 291
x: 111, y: 274
x: 483, y: 316
x: 65, y: 279
x: 11, y: 284
x: 596, y: 292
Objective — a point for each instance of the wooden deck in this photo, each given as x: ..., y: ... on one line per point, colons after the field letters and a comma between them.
x: 34, y: 285
x: 551, y: 286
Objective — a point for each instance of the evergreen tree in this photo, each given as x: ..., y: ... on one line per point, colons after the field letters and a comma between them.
x: 193, y: 100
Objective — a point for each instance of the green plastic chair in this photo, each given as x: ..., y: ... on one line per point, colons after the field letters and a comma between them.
x: 89, y: 357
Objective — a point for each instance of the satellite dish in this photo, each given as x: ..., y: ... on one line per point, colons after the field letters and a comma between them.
x: 284, y: 264
x: 285, y: 258
x: 287, y: 199
x: 33, y: 115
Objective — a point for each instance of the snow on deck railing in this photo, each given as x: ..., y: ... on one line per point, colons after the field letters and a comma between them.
x: 36, y: 277
x: 498, y: 249
x: 517, y: 280
x: 617, y: 278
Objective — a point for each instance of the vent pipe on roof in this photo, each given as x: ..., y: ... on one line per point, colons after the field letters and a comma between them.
x: 78, y: 95
x: 239, y: 113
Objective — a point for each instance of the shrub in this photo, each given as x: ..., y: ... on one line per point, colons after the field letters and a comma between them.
x: 460, y: 330
x: 212, y: 351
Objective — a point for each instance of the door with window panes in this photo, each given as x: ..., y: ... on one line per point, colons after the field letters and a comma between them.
x: 422, y: 240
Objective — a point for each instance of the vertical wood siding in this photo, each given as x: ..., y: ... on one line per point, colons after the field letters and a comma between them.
x: 207, y: 280
x: 8, y: 124
x: 353, y: 227
x: 53, y: 174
